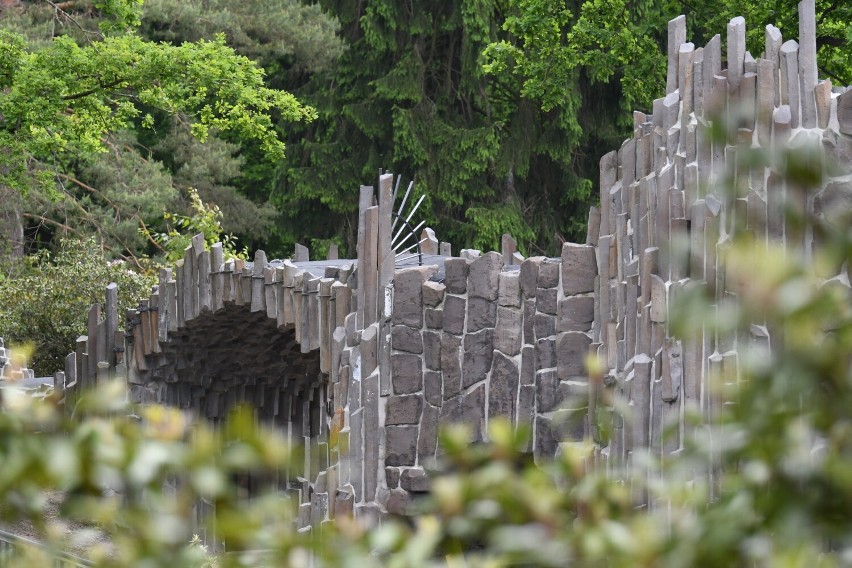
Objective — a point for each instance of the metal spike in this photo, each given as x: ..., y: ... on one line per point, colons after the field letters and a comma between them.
x: 408, y: 236
x: 402, y: 205
x: 411, y: 247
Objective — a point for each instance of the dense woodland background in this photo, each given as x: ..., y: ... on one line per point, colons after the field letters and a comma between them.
x: 134, y: 124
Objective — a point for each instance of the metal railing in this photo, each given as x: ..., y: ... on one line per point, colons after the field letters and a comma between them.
x: 11, y: 546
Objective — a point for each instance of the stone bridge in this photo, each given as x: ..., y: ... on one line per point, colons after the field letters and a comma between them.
x: 362, y: 360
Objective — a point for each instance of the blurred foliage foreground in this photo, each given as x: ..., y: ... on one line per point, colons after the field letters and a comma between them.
x: 769, y: 483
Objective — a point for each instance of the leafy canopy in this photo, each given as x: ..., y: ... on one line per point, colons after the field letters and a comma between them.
x: 65, y: 97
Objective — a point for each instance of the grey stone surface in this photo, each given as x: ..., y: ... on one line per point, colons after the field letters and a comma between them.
x: 844, y: 113
x: 434, y: 318
x: 473, y: 412
x: 503, y: 390
x: 451, y: 365
x: 404, y: 409
x: 545, y: 325
x: 510, y: 289
x: 427, y: 442
x: 408, y: 296
x: 478, y: 350
x: 414, y: 480
x: 455, y: 312
x: 548, y: 273
x: 433, y: 293
x: 507, y: 334
x: 572, y: 348
x: 433, y: 387
x: 481, y: 314
x: 401, y: 445
x: 545, y: 353
x: 528, y: 276
x: 483, y: 277
x: 676, y: 36
x: 579, y: 268
x: 545, y: 300
x: 455, y: 275
x: 432, y: 350
x: 404, y: 338
x: 576, y: 313
x: 407, y: 373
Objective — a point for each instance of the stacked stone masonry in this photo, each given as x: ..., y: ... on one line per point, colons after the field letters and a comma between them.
x: 361, y: 361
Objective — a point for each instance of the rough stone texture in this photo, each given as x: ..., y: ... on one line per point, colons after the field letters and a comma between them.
x: 473, y: 412
x: 455, y: 275
x: 579, y: 268
x: 400, y: 445
x: 510, y: 289
x: 408, y: 297
x: 572, y: 348
x: 433, y: 293
x: 545, y: 300
x: 844, y: 113
x: 478, y: 350
x: 507, y: 334
x: 451, y: 365
x: 414, y: 480
x: 545, y: 353
x: 545, y: 325
x: 481, y: 313
x: 434, y: 318
x: 455, y: 310
x: 404, y: 338
x: 406, y: 372
x: 503, y: 390
x: 548, y: 274
x: 432, y: 350
x: 529, y: 276
x: 483, y: 278
x: 427, y: 442
x: 404, y: 409
x: 576, y: 314
x: 433, y: 387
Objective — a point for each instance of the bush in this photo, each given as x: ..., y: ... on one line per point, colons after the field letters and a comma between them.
x: 46, y: 301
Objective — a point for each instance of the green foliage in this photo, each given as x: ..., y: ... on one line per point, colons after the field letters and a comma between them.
x: 206, y: 220
x: 46, y: 301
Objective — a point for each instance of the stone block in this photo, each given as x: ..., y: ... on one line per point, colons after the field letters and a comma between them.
x: 455, y: 275
x: 451, y: 365
x: 844, y: 113
x: 427, y: 442
x: 455, y: 309
x: 545, y: 300
x: 483, y: 280
x: 392, y: 477
x: 545, y: 353
x: 547, y: 393
x: 403, y: 409
x: 510, y: 289
x: 404, y: 338
x: 432, y: 350
x: 672, y: 369
x: 433, y: 293
x: 473, y: 412
x: 529, y: 321
x: 546, y: 437
x: 545, y: 326
x: 576, y: 313
x: 401, y: 445
x: 478, y: 351
x: 434, y: 318
x: 579, y: 268
x: 408, y: 297
x: 481, y: 313
x: 572, y: 348
x: 433, y: 387
x: 414, y: 480
x: 407, y: 373
x: 528, y: 365
x: 528, y: 276
x: 503, y: 389
x: 507, y: 334
x: 548, y: 274
x: 398, y: 502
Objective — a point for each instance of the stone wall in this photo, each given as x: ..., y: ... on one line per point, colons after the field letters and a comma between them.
x: 361, y: 361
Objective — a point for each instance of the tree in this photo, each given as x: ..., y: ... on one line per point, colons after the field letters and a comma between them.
x: 63, y: 98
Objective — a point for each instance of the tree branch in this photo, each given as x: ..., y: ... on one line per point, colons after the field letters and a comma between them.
x: 93, y: 90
